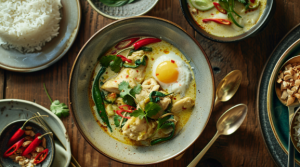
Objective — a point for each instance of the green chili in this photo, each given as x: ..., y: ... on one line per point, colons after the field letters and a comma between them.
x: 98, y: 99
x: 153, y: 142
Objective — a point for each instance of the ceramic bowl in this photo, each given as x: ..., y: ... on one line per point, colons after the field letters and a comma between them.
x: 10, y: 130
x: 262, y: 22
x: 136, y: 8
x: 83, y: 69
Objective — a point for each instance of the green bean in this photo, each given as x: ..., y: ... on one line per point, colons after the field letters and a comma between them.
x: 97, y: 97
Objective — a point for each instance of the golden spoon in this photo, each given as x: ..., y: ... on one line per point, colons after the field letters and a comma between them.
x: 291, y: 108
x: 225, y: 90
x: 228, y: 86
x: 228, y: 123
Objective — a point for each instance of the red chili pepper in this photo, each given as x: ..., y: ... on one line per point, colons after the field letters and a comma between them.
x: 129, y: 108
x: 144, y: 42
x: 219, y: 8
x: 19, y: 133
x: 220, y: 21
x: 131, y: 41
x: 41, y: 156
x: 14, y: 148
x: 119, y: 112
x: 252, y: 1
x: 36, y: 135
x: 36, y: 142
x: 124, y: 58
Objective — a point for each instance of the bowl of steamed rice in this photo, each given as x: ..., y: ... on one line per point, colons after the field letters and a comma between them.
x: 36, y: 33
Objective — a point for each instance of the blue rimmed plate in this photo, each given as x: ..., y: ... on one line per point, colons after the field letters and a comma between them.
x: 273, y: 115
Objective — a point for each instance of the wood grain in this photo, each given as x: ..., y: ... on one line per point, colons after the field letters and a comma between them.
x: 244, y: 148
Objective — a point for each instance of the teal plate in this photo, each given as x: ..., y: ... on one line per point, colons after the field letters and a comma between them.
x: 273, y: 115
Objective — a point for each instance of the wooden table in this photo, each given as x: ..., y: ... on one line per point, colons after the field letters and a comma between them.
x: 246, y: 147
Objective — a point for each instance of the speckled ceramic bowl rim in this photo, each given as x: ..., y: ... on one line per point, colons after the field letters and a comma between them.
x: 58, y: 57
x: 270, y: 89
x: 51, y: 137
x: 263, y: 23
x: 117, y: 18
x: 107, y: 26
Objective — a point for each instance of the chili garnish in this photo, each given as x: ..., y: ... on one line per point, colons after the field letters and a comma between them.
x: 41, y: 156
x: 36, y: 142
x: 141, y: 43
x: 119, y: 112
x: 219, y: 8
x: 220, y: 21
x: 19, y: 133
x: 252, y: 1
x: 16, y: 146
x: 124, y: 58
x: 129, y: 110
x: 131, y: 41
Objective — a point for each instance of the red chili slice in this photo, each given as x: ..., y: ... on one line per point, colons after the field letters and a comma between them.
x: 219, y: 8
x: 119, y: 112
x: 41, y: 156
x: 129, y: 108
x: 124, y: 58
x: 144, y: 42
x: 125, y: 43
x: 14, y: 148
x: 252, y: 1
x: 220, y: 21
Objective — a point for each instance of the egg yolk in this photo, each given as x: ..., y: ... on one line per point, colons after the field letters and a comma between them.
x: 167, y: 72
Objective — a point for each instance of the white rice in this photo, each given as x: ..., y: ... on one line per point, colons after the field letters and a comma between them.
x: 26, y: 25
x: 297, y: 130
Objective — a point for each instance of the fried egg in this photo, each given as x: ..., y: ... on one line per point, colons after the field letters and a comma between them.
x: 172, y: 73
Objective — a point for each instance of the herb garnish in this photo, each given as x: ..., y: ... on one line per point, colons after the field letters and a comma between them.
x: 128, y: 93
x: 59, y: 109
x: 151, y: 109
x: 228, y: 5
x: 164, y: 123
x: 112, y: 61
x: 117, y: 120
x: 154, y: 96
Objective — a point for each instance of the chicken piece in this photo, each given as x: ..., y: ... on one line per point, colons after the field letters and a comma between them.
x: 39, y: 149
x: 136, y: 55
x: 148, y: 86
x: 163, y: 103
x: 133, y: 76
x: 138, y: 129
x: 183, y: 104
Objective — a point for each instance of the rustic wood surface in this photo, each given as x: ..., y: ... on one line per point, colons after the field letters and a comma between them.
x: 244, y: 148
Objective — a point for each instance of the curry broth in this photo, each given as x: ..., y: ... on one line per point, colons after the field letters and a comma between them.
x: 159, y: 49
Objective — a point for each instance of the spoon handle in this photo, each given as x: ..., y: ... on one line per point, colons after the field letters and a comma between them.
x: 202, y: 153
x: 291, y: 156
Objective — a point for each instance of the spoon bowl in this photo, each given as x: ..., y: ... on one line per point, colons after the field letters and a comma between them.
x: 227, y: 124
x: 228, y: 86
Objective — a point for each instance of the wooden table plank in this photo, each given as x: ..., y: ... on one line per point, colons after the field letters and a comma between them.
x: 244, y: 148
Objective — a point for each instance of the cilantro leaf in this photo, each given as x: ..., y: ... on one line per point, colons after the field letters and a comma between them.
x: 157, y: 94
x: 129, y: 100
x: 138, y: 113
x: 117, y: 120
x: 136, y: 90
x: 152, y: 109
x: 59, y: 109
x: 113, y: 61
x: 124, y: 88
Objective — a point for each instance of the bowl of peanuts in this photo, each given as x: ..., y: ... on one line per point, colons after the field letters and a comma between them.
x: 26, y: 143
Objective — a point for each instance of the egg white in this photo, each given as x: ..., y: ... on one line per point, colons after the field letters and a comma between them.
x: 184, y: 78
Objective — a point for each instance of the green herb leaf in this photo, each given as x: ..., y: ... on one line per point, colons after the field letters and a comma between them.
x: 117, y: 120
x: 242, y: 1
x: 138, y: 113
x: 154, y: 96
x: 136, y: 90
x: 59, y: 109
x: 124, y: 88
x: 152, y: 109
x: 224, y: 4
x: 113, y: 61
x: 129, y: 100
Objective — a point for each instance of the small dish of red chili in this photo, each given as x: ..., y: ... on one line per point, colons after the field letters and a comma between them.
x: 42, y: 154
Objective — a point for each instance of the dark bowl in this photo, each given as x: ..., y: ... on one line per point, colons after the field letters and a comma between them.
x: 8, y: 132
x: 261, y: 24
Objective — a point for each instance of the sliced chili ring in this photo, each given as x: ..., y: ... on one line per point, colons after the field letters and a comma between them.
x: 220, y: 21
x: 119, y: 112
x: 41, y: 156
x: 219, y: 8
x: 129, y: 108
x: 124, y: 58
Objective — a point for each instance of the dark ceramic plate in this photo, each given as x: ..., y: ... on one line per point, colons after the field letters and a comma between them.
x: 273, y: 115
x: 261, y: 24
x: 9, y: 131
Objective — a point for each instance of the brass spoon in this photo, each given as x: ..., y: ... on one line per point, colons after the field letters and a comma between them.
x: 225, y: 90
x: 291, y: 108
x: 228, y: 123
x: 228, y: 86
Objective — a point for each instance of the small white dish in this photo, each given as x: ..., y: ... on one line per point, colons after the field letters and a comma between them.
x: 54, y: 50
x: 15, y: 109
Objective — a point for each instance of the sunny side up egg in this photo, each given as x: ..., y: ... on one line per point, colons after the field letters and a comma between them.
x: 172, y: 73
